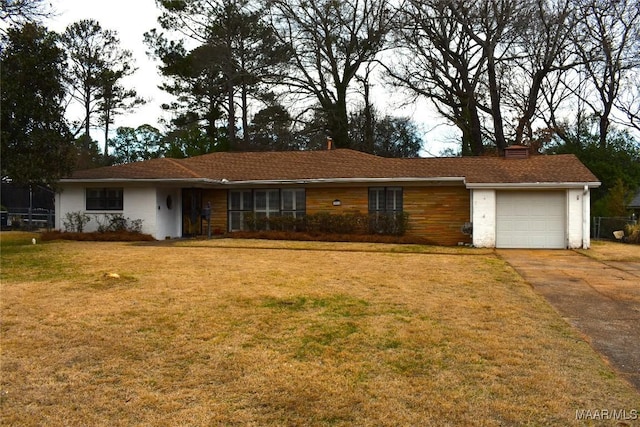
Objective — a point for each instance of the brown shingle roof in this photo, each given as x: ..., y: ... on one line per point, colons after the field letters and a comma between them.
x: 346, y: 164
x: 151, y: 169
x: 535, y: 169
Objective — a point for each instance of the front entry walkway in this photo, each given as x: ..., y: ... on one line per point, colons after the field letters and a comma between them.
x: 599, y: 299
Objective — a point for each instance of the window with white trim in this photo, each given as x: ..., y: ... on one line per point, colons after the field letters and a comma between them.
x: 104, y: 199
x: 266, y: 204
x: 259, y: 204
x: 385, y: 209
x: 385, y: 200
x: 240, y: 203
x: 293, y: 202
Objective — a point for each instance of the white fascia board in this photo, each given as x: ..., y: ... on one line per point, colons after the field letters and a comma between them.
x: 339, y: 181
x: 218, y: 183
x: 532, y: 185
x: 143, y: 181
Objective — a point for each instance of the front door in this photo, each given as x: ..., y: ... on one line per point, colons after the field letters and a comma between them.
x: 191, y: 211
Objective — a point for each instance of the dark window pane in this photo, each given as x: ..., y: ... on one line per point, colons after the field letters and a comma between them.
x: 287, y: 200
x: 104, y: 198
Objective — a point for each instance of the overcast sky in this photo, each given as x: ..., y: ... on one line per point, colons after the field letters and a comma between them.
x: 132, y: 18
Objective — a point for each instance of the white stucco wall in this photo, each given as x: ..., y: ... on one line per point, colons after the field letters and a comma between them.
x: 578, y: 219
x: 169, y: 219
x: 483, y: 216
x: 574, y: 218
x: 138, y: 203
x: 70, y: 199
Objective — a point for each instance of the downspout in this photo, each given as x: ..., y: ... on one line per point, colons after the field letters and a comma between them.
x: 471, y: 214
x: 585, y: 218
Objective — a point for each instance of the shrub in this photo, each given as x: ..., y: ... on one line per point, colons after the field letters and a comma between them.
x: 283, y: 223
x: 328, y: 237
x: 394, y: 224
x: 122, y: 236
x: 116, y: 223
x: 633, y: 233
x: 323, y: 222
x: 75, y: 221
x: 348, y: 223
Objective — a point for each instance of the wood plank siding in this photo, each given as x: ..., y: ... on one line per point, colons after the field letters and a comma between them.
x: 438, y: 213
x: 435, y: 213
x: 352, y: 199
x: 218, y: 199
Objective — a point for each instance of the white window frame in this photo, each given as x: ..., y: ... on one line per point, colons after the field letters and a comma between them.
x: 383, y: 203
x: 298, y: 207
x: 246, y: 206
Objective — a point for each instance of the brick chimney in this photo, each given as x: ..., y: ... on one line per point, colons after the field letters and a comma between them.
x: 329, y: 143
x: 516, y: 152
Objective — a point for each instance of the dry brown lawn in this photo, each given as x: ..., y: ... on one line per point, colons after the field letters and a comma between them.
x: 231, y: 332
x: 613, y: 251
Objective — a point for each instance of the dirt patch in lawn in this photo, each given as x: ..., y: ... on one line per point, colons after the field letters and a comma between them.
x: 208, y: 334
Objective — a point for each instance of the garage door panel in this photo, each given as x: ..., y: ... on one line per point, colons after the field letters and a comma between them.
x: 533, y: 219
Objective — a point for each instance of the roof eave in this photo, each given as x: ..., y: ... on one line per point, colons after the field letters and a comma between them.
x: 228, y: 182
x: 303, y: 181
x: 138, y: 180
x: 531, y: 185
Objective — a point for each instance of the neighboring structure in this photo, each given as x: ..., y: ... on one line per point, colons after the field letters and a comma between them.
x: 634, y: 205
x: 22, y: 197
x: 27, y: 207
x: 514, y: 201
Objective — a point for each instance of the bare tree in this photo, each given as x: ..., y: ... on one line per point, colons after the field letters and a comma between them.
x: 607, y: 38
x: 330, y: 40
x: 437, y: 59
x: 542, y: 52
x: 368, y: 110
x: 629, y: 100
x: 484, y: 64
x: 21, y: 11
x: 493, y: 26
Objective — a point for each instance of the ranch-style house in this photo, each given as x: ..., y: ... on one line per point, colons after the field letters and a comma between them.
x: 513, y: 201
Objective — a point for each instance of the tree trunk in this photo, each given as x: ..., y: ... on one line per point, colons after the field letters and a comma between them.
x: 498, y: 125
x: 369, y: 142
x: 106, y: 135
x: 525, y: 121
x: 338, y: 123
x: 245, y: 116
x: 469, y: 124
x: 604, y: 128
x: 474, y: 131
x: 231, y: 123
x: 107, y: 119
x: 87, y: 111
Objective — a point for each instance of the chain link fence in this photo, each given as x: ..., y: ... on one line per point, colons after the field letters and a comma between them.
x: 26, y: 219
x: 604, y: 227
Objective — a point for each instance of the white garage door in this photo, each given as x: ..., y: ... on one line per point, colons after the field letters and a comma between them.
x: 531, y: 219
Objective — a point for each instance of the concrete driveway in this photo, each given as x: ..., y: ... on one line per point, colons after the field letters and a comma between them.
x: 601, y: 300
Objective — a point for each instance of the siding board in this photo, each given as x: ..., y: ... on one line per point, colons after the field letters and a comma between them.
x: 438, y: 213
x: 435, y: 213
x: 218, y: 199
